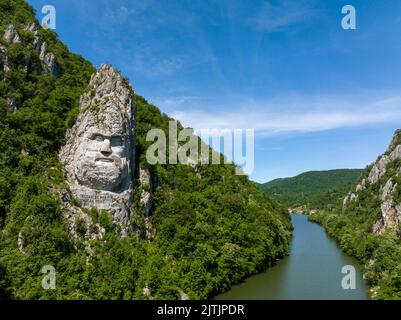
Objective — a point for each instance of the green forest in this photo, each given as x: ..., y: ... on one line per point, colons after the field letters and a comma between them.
x: 213, y: 228
x: 313, y: 189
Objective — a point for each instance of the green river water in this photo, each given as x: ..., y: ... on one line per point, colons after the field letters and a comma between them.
x: 311, y: 271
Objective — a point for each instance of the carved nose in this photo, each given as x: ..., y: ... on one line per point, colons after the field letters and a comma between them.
x: 105, y: 148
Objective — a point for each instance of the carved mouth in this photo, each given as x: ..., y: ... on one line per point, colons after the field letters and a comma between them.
x: 110, y: 159
x: 104, y: 160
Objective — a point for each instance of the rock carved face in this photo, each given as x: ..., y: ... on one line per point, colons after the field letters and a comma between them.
x: 99, y: 150
x: 102, y: 156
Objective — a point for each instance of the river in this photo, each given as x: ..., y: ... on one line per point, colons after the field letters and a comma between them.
x: 311, y: 271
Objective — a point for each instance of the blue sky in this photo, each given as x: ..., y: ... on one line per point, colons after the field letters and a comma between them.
x: 318, y: 96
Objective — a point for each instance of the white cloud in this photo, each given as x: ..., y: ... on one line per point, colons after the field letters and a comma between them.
x: 148, y: 62
x: 178, y: 101
x: 308, y: 115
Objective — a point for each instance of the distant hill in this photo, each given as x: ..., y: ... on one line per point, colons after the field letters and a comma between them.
x: 316, y: 188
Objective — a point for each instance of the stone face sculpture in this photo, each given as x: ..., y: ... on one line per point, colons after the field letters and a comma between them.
x: 99, y: 153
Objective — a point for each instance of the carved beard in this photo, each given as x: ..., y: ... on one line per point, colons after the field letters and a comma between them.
x: 102, y: 173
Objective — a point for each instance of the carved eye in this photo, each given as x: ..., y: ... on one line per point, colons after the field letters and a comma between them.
x: 117, y: 141
x: 97, y: 137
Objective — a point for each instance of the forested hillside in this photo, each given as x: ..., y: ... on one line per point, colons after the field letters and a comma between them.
x: 211, y: 227
x: 315, y: 189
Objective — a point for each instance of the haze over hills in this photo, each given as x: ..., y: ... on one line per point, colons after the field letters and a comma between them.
x: 314, y: 188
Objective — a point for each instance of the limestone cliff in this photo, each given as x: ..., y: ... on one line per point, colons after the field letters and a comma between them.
x: 48, y: 60
x: 382, y: 181
x: 32, y: 40
x: 100, y: 150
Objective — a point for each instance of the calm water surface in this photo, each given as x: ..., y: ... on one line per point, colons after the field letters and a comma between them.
x: 311, y: 271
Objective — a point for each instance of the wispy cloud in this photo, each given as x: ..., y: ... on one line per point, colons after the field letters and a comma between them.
x: 116, y: 15
x: 275, y: 18
x: 147, y: 62
x: 307, y: 116
x: 178, y: 101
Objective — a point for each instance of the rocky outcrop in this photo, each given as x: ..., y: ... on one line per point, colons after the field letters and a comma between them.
x: 34, y: 30
x: 378, y: 174
x: 48, y: 60
x: 360, y: 186
x: 146, y: 184
x: 13, y: 103
x: 20, y: 243
x: 80, y: 223
x: 99, y: 154
x: 11, y: 35
x: 4, y: 57
x: 379, y: 168
x: 147, y: 294
x: 352, y: 196
x: 31, y: 27
x: 349, y: 198
x: 390, y: 214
